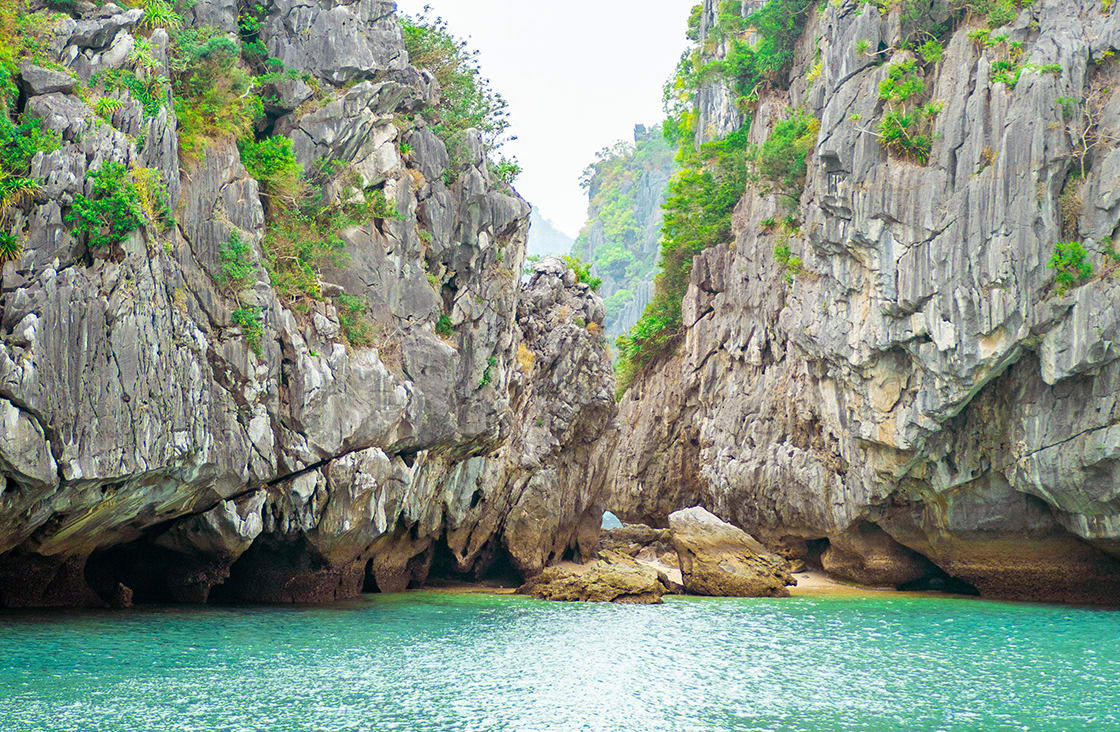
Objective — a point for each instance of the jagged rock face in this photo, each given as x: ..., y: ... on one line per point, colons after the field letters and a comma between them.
x: 145, y: 442
x: 922, y: 374
x: 543, y: 486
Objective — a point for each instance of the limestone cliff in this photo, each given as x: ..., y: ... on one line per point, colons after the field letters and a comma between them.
x: 626, y: 190
x: 908, y: 383
x: 192, y: 411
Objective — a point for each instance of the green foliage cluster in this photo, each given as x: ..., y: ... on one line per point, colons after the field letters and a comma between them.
x: 145, y: 79
x: 906, y: 128
x: 23, y: 36
x: 116, y: 207
x: 213, y: 91
x: 237, y: 266
x: 206, y: 82
x: 150, y: 91
x: 994, y: 12
x: 931, y: 51
x: 583, y: 272
x: 761, y: 56
x: 918, y: 20
x: 1007, y: 65
x: 488, y: 372
x: 780, y: 161
x: 356, y: 329
x: 467, y: 100
x: 160, y: 14
x: 249, y: 318
x: 19, y: 143
x: 506, y: 170
x: 792, y: 264
x: 302, y: 239
x: 272, y: 161
x: 1071, y: 265
x: 10, y: 247
x: 303, y: 228
x: 444, y: 327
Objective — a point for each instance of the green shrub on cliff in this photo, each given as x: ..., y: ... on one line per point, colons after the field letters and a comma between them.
x: 467, y: 101
x: 714, y: 176
x: 23, y: 36
x: 249, y: 319
x: 10, y: 247
x: 352, y: 320
x: 906, y: 128
x: 213, y: 92
x: 761, y: 56
x: 1071, y: 265
x: 19, y: 143
x: 791, y: 264
x: 780, y: 162
x: 111, y: 212
x: 583, y: 272
x: 994, y: 12
x: 272, y: 161
x: 237, y: 267
x: 303, y: 232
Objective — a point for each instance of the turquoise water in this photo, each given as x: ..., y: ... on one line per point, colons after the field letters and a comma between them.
x: 432, y: 661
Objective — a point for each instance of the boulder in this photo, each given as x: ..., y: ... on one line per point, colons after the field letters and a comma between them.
x: 722, y: 560
x: 633, y: 539
x: 615, y: 578
x: 37, y: 80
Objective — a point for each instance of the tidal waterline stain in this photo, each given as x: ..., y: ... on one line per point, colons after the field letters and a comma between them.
x: 437, y: 661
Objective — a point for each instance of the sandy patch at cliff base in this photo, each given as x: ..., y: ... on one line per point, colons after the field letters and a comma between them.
x: 810, y: 583
x: 814, y: 583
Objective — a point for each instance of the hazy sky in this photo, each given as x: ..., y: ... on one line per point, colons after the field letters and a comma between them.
x: 578, y: 76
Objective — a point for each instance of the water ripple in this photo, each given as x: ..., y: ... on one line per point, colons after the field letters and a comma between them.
x: 433, y: 661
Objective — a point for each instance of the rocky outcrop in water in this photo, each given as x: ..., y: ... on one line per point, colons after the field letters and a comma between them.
x: 614, y: 578
x: 722, y: 560
x: 915, y: 389
x: 699, y: 554
x: 190, y: 442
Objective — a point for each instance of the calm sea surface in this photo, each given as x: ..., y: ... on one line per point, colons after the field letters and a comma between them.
x: 437, y: 661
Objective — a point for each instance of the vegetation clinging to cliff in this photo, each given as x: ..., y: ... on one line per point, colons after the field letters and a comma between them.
x: 212, y: 89
x: 714, y: 175
x: 22, y: 37
x: 618, y: 239
x: 467, y: 101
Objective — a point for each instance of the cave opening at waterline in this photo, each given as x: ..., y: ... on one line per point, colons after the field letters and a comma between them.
x: 493, y: 567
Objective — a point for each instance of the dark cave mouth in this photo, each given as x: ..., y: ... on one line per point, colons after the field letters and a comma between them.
x: 935, y: 579
x: 493, y: 567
